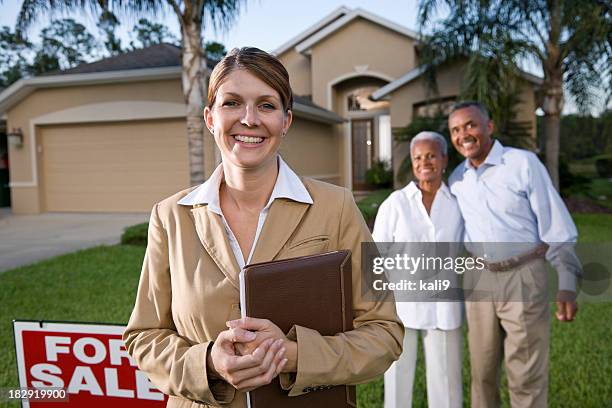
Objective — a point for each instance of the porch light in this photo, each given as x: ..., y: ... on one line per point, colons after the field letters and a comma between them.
x: 15, y: 137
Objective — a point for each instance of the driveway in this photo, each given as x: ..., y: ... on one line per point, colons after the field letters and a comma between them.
x: 25, y: 239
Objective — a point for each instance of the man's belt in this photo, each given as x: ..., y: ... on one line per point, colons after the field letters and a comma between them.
x: 516, y: 261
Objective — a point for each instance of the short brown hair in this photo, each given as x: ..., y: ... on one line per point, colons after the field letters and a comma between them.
x: 257, y: 62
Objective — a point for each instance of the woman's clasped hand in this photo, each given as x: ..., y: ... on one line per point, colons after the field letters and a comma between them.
x: 251, y: 353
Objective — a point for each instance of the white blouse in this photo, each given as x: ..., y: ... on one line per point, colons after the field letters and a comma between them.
x: 288, y: 185
x: 403, y: 218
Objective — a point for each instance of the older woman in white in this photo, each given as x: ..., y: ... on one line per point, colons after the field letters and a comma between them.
x: 425, y: 211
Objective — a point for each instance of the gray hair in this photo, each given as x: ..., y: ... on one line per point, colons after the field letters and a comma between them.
x: 469, y: 104
x: 433, y: 136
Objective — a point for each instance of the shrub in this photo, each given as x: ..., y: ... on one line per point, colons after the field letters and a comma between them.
x: 380, y: 174
x: 369, y: 205
x: 135, y: 235
x: 604, y: 167
x: 571, y: 184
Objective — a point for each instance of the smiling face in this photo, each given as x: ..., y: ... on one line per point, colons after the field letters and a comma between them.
x: 248, y: 120
x: 428, y: 162
x: 470, y: 133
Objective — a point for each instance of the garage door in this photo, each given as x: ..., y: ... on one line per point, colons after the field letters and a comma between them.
x: 124, y: 166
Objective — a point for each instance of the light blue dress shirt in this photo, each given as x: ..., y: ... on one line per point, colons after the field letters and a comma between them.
x: 510, y: 199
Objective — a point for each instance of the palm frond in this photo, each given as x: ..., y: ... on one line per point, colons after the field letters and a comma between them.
x: 581, y: 82
x: 136, y: 9
x: 31, y: 10
x: 587, y: 53
x: 222, y: 13
x: 427, y: 8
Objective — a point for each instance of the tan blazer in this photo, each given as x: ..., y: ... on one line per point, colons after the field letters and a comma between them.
x: 189, y: 288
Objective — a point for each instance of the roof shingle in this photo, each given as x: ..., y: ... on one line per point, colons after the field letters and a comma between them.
x: 155, y: 56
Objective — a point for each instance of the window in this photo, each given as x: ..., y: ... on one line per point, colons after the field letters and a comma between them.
x: 359, y: 100
x: 434, y: 107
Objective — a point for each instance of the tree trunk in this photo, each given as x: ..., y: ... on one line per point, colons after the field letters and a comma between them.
x: 552, y: 106
x: 552, y: 129
x: 552, y: 90
x: 194, y: 85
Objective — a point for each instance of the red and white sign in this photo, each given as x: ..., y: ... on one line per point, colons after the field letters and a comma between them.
x: 89, y: 361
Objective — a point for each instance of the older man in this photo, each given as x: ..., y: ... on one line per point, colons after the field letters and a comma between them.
x: 505, y: 196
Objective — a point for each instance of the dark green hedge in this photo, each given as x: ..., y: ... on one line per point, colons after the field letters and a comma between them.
x: 604, y: 167
x: 135, y: 235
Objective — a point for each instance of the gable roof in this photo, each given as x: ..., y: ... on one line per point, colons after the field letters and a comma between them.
x: 310, y: 41
x: 420, y: 70
x: 304, y: 107
x: 158, y: 62
x: 330, y: 18
x: 398, y: 83
x: 25, y: 86
x: 155, y: 56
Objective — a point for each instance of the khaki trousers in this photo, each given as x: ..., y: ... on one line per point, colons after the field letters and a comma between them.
x: 513, y: 323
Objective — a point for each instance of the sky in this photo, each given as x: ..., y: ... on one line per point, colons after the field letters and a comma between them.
x: 265, y: 24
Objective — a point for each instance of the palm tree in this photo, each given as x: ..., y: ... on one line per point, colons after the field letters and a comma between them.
x: 571, y: 41
x: 191, y: 15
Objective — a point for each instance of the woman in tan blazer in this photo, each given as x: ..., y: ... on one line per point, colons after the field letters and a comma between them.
x: 185, y: 330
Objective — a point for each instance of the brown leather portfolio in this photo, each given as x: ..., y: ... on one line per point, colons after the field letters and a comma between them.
x: 311, y: 291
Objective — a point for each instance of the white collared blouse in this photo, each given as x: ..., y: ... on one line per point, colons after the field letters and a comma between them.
x: 288, y: 185
x: 403, y: 218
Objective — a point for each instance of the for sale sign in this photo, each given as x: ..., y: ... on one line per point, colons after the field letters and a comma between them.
x: 79, y: 365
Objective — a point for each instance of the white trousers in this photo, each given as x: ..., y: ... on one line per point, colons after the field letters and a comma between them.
x: 442, y: 366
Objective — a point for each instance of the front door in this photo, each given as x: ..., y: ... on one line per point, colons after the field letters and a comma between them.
x: 362, y: 131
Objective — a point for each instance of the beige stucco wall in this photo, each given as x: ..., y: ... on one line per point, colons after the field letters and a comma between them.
x: 26, y: 199
x: 341, y: 133
x: 404, y: 98
x: 360, y: 43
x: 449, y: 83
x: 298, y: 66
x: 311, y: 149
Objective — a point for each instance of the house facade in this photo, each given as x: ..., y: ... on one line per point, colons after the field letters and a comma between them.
x: 338, y: 63
x: 366, y: 69
x: 111, y: 135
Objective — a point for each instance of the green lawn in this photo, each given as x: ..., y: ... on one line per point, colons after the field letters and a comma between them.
x: 94, y: 285
x: 593, y: 227
x: 597, y: 188
x: 369, y: 205
x: 99, y: 285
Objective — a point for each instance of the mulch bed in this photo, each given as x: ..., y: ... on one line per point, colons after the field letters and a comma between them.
x: 585, y: 205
